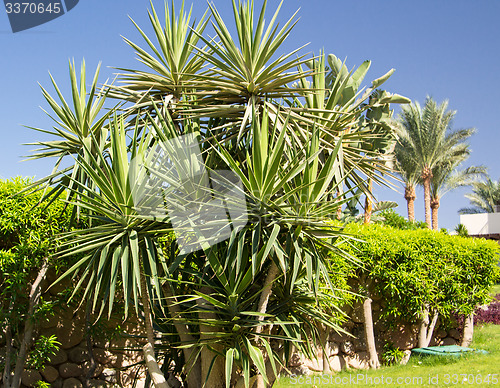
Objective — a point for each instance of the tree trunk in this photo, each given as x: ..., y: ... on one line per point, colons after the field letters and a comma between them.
x: 422, y: 334
x: 34, y: 299
x: 154, y: 370
x: 426, y: 178
x: 266, y: 294
x: 192, y: 363
x: 216, y: 376
x: 369, y: 334
x: 368, y: 203
x: 410, y: 197
x: 434, y: 208
x: 468, y: 330
x: 339, y: 197
x: 262, y: 308
x: 152, y: 366
x: 8, y: 344
x: 323, y: 337
x: 426, y: 328
x: 271, y: 376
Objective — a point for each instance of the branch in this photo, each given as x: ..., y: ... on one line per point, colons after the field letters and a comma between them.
x: 34, y: 298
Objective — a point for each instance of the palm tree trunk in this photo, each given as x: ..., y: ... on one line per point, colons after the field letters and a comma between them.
x: 434, y: 208
x: 368, y: 203
x: 410, y: 197
x: 339, y: 197
x: 426, y: 178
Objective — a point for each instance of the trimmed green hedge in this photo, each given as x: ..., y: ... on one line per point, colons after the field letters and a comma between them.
x: 27, y: 236
x: 413, y: 268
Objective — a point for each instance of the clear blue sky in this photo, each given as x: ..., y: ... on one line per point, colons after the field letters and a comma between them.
x: 446, y: 49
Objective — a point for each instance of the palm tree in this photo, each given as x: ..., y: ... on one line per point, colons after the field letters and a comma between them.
x: 485, y: 197
x: 409, y: 173
x: 446, y: 177
x: 427, y: 139
x: 289, y: 148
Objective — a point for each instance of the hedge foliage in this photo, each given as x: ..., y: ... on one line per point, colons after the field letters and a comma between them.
x: 27, y: 237
x: 415, y: 268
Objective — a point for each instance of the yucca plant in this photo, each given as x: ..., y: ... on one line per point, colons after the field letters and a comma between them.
x: 80, y: 129
x: 239, y: 170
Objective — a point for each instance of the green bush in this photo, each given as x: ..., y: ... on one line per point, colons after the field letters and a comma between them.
x: 27, y: 238
x: 391, y: 218
x: 27, y: 233
x: 392, y: 355
x: 415, y: 268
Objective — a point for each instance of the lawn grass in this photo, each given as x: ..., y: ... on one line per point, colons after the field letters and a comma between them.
x: 424, y: 372
x: 495, y: 289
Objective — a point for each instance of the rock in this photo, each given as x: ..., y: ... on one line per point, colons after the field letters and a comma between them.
x: 435, y: 341
x: 333, y: 348
x: 102, y: 343
x: 58, y: 358
x: 375, y: 298
x: 359, y: 360
x: 357, y: 314
x: 59, y: 286
x: 338, y: 337
x: 86, y: 366
x: 72, y: 383
x: 50, y: 374
x: 360, y: 343
x: 337, y: 363
x: 347, y: 347
x: 300, y: 370
x: 441, y: 333
x: 380, y: 324
x: 109, y: 375
x: 401, y: 336
x: 69, y: 369
x: 78, y: 355
x: 29, y: 377
x: 93, y: 383
x: 103, y: 356
x: 295, y: 360
x: 70, y: 334
x: 49, y: 322
x: 448, y: 341
x: 406, y: 357
x: 454, y: 333
x: 315, y: 365
x: 58, y: 383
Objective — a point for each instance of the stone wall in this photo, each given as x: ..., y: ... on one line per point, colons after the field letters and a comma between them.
x: 350, y: 351
x: 114, y: 360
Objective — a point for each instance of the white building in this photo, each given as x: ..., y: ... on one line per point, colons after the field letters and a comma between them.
x: 485, y: 225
